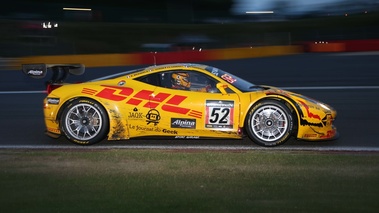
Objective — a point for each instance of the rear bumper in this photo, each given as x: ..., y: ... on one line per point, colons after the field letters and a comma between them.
x: 52, y: 135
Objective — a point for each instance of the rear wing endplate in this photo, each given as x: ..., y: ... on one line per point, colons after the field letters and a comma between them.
x: 60, y: 71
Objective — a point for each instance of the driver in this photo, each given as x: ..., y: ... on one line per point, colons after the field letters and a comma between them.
x: 180, y: 80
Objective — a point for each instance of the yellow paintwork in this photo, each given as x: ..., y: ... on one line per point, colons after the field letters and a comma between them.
x: 138, y: 109
x: 315, y: 119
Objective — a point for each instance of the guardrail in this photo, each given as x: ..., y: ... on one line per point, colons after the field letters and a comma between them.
x: 342, y: 46
x: 101, y: 60
x: 149, y: 58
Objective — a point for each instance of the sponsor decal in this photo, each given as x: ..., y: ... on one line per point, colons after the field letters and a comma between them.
x: 215, y: 71
x: 152, y: 129
x: 277, y: 92
x: 183, y: 123
x: 310, y: 135
x: 329, y: 134
x: 144, y: 128
x: 35, y: 72
x: 135, y: 115
x: 187, y: 137
x: 168, y: 131
x: 228, y: 78
x: 219, y: 114
x: 153, y: 116
x: 53, y: 100
x: 145, y: 98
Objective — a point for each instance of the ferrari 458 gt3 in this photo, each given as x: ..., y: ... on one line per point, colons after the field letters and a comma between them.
x: 179, y: 100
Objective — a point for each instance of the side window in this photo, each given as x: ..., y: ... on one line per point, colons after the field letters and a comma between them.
x: 191, y: 81
x: 166, y: 80
x: 152, y: 79
x: 182, y: 80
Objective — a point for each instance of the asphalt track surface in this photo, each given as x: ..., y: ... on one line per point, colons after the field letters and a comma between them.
x: 349, y: 82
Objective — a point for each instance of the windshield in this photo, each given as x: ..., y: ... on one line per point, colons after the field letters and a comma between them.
x: 238, y: 82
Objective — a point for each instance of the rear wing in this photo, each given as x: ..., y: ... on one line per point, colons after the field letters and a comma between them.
x: 60, y: 71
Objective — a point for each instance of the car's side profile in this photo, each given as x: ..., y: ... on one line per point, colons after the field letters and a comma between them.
x: 183, y: 101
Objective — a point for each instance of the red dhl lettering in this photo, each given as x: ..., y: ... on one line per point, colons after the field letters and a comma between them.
x: 144, y: 94
x: 180, y: 110
x: 89, y: 91
x: 329, y: 134
x: 115, y: 93
x: 176, y: 100
x: 108, y: 93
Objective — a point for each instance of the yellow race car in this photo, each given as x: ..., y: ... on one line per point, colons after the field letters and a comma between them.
x: 180, y: 100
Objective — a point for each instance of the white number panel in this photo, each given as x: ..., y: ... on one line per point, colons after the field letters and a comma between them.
x: 219, y: 114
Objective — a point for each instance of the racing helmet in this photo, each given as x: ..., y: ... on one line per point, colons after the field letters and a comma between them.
x: 180, y: 80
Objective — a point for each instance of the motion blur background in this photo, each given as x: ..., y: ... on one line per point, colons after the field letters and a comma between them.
x: 66, y: 27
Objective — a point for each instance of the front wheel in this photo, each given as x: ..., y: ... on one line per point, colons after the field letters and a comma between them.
x: 84, y: 122
x: 269, y: 123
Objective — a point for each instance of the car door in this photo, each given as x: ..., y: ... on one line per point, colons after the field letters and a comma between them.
x: 194, y: 109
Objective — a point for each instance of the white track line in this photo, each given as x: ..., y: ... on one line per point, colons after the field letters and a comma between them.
x: 200, y: 147
x: 22, y: 92
x: 330, y: 87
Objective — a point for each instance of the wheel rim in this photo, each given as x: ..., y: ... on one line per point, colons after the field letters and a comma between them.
x: 83, y: 121
x: 269, y: 123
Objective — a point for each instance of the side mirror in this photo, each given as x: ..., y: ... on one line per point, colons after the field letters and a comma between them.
x: 222, y: 87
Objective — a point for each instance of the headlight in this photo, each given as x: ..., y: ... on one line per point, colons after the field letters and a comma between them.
x: 324, y: 106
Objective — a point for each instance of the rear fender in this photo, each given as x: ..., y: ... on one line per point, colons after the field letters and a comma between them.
x: 118, y: 128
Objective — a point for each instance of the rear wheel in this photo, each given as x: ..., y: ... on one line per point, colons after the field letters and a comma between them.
x: 84, y: 122
x: 269, y: 123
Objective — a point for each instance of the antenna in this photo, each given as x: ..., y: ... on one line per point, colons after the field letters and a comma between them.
x: 155, y: 59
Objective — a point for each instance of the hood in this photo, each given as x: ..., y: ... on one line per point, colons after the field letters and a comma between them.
x: 299, y: 99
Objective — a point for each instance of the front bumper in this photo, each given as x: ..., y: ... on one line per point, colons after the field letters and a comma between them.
x: 318, y: 134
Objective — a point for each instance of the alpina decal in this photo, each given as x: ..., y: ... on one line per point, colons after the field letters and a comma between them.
x: 183, y: 123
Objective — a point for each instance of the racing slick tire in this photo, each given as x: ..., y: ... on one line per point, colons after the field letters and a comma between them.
x: 84, y: 122
x: 269, y: 123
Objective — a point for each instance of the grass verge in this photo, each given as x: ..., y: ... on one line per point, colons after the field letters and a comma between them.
x: 187, y: 181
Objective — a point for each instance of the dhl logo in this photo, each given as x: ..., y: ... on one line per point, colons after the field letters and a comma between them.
x: 146, y: 97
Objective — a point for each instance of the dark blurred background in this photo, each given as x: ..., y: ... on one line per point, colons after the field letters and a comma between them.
x: 42, y: 27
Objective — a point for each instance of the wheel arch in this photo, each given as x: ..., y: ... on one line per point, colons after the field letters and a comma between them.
x: 117, y: 128
x: 284, y: 100
x: 69, y: 101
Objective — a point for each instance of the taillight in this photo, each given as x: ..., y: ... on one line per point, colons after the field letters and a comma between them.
x: 51, y: 87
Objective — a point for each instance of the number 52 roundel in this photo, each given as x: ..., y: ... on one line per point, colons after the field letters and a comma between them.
x: 219, y: 114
